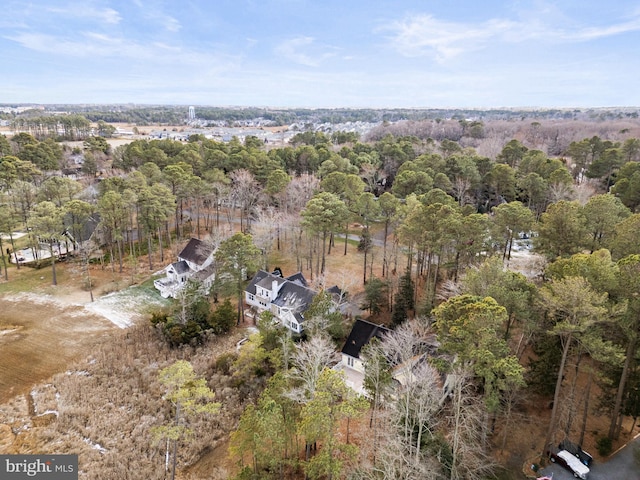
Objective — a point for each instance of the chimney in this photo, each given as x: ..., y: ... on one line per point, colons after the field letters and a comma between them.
x: 274, y: 289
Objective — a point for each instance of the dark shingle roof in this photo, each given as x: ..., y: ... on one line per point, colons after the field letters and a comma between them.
x: 180, y: 267
x: 298, y: 278
x: 267, y: 282
x: 205, y: 273
x: 361, y: 333
x: 260, y: 274
x: 196, y: 251
x: 295, y: 297
x: 293, y: 293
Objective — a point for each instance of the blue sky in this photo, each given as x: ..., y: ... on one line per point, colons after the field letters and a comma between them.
x: 322, y: 53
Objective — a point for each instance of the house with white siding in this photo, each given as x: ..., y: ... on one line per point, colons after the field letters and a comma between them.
x: 195, y: 262
x: 286, y: 298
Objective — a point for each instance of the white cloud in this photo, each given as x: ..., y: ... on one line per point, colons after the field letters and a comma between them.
x: 97, y: 45
x: 304, y: 51
x: 426, y: 35
x: 290, y: 50
x: 167, y: 22
x: 632, y: 25
x: 153, y: 11
x: 82, y: 10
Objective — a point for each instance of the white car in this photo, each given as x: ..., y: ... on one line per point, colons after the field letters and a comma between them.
x: 570, y: 462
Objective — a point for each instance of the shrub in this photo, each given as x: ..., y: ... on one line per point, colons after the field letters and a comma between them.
x: 224, y: 363
x: 604, y: 446
x: 158, y: 316
x: 222, y: 318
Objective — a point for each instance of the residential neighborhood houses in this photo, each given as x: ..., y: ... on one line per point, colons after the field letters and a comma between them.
x: 286, y: 298
x: 195, y: 262
x: 352, y: 364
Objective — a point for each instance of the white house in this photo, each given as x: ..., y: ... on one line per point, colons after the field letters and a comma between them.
x: 352, y: 364
x: 286, y: 298
x: 195, y: 261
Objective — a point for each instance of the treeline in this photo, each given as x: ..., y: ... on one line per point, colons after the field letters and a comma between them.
x: 59, y: 127
x: 177, y: 114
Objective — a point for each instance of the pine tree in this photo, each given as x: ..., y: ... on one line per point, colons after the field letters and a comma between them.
x: 404, y: 300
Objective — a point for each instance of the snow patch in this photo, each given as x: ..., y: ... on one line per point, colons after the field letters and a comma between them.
x: 120, y: 319
x: 124, y: 307
x: 46, y: 412
x: 95, y: 446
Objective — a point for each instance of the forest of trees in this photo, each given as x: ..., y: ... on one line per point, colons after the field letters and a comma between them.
x: 177, y: 115
x: 447, y: 219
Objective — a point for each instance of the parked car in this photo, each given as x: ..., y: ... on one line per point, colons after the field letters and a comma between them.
x: 568, y: 461
x: 576, y: 450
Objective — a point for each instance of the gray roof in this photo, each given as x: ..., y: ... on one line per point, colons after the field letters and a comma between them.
x: 298, y: 278
x: 293, y: 293
x: 294, y: 296
x: 267, y: 282
x: 180, y: 267
x: 260, y: 274
x: 205, y: 273
x: 196, y: 251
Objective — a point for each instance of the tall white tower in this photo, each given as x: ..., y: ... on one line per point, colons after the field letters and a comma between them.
x: 192, y: 113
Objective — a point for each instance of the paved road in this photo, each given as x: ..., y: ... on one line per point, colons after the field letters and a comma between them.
x: 620, y: 466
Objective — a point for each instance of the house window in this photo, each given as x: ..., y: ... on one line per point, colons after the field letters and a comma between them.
x: 263, y: 304
x: 252, y: 297
x: 350, y: 361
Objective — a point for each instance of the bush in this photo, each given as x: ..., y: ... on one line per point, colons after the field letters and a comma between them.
x: 604, y: 446
x: 174, y: 332
x: 224, y: 363
x: 158, y: 316
x: 222, y: 318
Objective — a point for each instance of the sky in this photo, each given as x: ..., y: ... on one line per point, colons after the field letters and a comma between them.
x: 322, y: 53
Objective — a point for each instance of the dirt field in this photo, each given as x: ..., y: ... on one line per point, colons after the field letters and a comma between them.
x: 39, y: 336
x: 48, y: 328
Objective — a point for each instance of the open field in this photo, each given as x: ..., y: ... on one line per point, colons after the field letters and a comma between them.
x: 39, y: 336
x: 45, y: 328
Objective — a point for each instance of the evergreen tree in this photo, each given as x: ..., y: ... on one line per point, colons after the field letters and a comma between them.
x: 376, y: 294
x: 404, y: 300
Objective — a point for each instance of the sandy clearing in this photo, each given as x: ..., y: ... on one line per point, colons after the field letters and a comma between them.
x: 43, y: 335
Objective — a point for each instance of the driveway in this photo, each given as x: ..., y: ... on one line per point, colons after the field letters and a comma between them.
x: 621, y: 466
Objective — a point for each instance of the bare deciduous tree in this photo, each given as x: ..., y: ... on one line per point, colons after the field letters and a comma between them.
x: 309, y: 359
x: 245, y: 192
x: 299, y: 191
